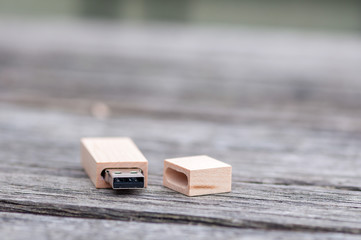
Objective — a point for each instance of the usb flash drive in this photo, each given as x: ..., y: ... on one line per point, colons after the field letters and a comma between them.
x: 114, y: 163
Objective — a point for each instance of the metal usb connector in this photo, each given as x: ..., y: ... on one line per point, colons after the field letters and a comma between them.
x: 124, y: 178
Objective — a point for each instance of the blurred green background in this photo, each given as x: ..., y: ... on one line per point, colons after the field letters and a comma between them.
x: 334, y: 15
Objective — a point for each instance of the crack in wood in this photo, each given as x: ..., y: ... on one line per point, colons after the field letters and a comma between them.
x: 290, y: 182
x: 61, y: 210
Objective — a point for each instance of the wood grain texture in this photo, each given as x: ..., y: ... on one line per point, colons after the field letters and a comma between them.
x: 197, y: 175
x: 286, y: 118
x: 16, y: 226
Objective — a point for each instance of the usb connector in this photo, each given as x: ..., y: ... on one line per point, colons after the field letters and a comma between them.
x: 124, y: 178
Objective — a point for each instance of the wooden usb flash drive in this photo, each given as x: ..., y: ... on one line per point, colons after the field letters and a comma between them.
x: 114, y: 163
x: 198, y: 175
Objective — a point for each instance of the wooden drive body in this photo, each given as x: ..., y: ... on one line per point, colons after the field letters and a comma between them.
x: 198, y: 175
x: 98, y: 154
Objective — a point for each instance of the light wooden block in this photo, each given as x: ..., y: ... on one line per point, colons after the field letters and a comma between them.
x: 197, y: 175
x: 98, y: 154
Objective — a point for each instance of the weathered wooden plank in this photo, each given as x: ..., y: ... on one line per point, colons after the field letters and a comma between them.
x: 259, y: 153
x: 172, y: 89
x: 213, y: 66
x: 56, y: 185
x: 167, y: 91
x: 249, y: 206
x: 279, y: 114
x: 16, y: 226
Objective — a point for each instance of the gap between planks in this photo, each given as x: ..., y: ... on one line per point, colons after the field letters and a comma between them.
x: 86, y: 212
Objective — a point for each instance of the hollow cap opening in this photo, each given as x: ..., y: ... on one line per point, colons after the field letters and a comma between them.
x: 176, y: 178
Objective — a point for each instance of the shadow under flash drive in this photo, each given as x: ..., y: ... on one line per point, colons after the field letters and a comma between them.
x: 123, y: 178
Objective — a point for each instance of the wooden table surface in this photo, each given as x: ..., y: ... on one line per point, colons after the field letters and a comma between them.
x: 282, y: 107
